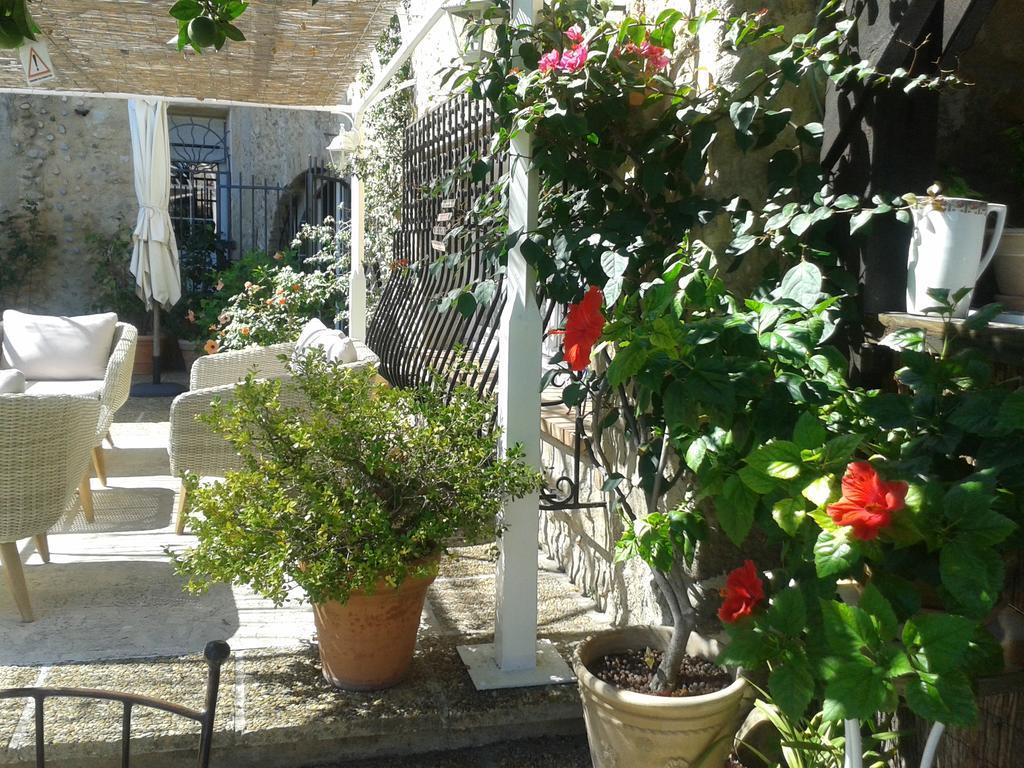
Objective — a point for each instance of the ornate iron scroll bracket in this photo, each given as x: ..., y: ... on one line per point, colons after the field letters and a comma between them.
x: 564, y: 492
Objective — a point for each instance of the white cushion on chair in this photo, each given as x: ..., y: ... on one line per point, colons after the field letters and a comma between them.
x: 84, y: 388
x: 12, y: 382
x: 47, y: 347
x: 337, y: 347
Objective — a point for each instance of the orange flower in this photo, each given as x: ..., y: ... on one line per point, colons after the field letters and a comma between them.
x: 868, y: 501
x: 279, y: 291
x: 245, y: 330
x: 190, y: 316
x: 282, y: 301
x: 211, y: 347
x: 743, y: 592
x: 583, y: 328
x: 296, y: 288
x: 279, y: 256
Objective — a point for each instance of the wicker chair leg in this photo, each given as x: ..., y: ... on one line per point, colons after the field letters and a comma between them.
x: 99, y: 464
x: 85, y: 496
x: 43, y: 547
x: 181, y: 511
x: 10, y: 558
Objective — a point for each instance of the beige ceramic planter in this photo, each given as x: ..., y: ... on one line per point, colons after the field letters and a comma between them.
x: 367, y: 642
x: 1009, y: 267
x: 636, y: 730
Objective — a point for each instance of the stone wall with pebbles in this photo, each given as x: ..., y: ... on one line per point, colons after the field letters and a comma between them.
x: 73, y: 157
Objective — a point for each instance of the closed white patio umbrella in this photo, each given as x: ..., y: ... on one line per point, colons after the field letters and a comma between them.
x: 155, y: 252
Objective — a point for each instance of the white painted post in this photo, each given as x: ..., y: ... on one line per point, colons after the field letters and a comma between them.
x: 515, y: 631
x: 357, y: 278
x: 516, y: 658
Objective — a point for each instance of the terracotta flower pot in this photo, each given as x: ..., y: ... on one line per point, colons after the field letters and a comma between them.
x: 367, y: 642
x: 144, y: 354
x: 634, y: 730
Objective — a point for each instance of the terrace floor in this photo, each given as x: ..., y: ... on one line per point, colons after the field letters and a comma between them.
x: 111, y: 614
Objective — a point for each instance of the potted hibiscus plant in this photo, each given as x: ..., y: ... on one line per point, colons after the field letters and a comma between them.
x: 687, y: 377
x: 912, y: 523
x: 348, y: 494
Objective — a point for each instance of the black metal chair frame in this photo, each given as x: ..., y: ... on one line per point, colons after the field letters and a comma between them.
x: 216, y: 654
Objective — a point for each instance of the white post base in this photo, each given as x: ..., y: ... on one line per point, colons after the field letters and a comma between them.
x: 481, y: 662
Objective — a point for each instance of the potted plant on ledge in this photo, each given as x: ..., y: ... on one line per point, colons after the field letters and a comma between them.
x: 349, y: 491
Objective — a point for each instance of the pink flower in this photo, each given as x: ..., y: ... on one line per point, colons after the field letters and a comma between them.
x: 574, y: 33
x: 574, y: 59
x: 656, y: 58
x: 549, y: 61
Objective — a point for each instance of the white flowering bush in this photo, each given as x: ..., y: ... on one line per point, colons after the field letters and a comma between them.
x: 279, y: 297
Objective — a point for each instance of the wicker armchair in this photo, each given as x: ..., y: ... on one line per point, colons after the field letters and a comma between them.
x: 196, y: 448
x: 113, y: 393
x: 117, y: 383
x: 44, y: 451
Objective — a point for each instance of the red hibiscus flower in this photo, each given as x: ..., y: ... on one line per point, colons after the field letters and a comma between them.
x: 583, y: 328
x: 743, y: 592
x: 868, y: 501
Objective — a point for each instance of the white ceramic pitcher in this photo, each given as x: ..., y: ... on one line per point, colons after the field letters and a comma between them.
x: 946, y: 248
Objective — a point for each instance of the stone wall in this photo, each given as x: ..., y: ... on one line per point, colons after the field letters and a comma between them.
x: 73, y: 156
x: 974, y: 120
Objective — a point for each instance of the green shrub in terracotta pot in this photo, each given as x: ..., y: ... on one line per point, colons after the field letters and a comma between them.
x: 350, y: 490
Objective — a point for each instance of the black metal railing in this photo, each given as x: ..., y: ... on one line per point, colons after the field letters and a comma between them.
x: 216, y: 654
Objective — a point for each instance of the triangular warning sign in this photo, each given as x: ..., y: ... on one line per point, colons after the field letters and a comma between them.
x: 35, y: 60
x: 36, y: 66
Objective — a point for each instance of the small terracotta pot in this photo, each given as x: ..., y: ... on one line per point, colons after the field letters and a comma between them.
x: 637, y: 729
x: 367, y: 642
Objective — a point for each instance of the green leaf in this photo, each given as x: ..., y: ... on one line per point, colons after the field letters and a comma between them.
x: 846, y: 202
x: 946, y: 698
x: 756, y: 480
x: 232, y: 32
x: 802, y: 284
x: 972, y: 574
x: 939, y: 641
x: 780, y: 459
x: 841, y: 449
x: 875, y: 605
x: 859, y: 220
x: 835, y: 553
x: 818, y: 492
x: 186, y: 10
x: 848, y: 629
x: 858, y: 690
x: 1011, y: 413
x: 788, y: 515
x: 734, y: 509
x: 809, y: 432
x: 788, y: 613
x: 695, y: 453
x: 746, y: 648
x: 628, y: 362
x: 466, y: 304
x: 791, y: 686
